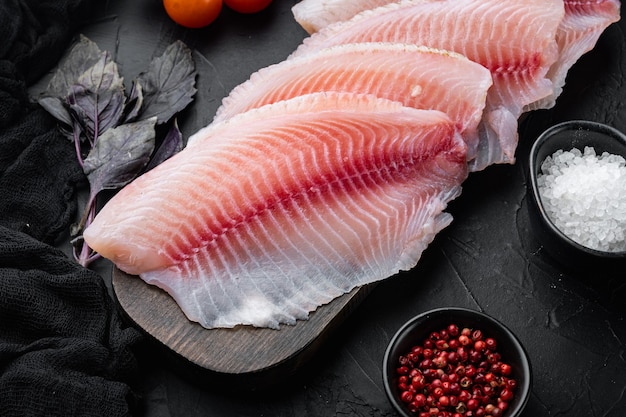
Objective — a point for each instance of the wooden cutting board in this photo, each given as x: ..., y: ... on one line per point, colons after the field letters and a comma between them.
x: 244, y: 350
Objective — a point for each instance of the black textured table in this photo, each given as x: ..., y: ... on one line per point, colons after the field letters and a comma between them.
x: 571, y: 323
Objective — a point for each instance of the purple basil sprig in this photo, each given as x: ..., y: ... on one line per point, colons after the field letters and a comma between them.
x: 115, y: 134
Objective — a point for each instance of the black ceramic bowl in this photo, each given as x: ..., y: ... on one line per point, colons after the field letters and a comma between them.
x: 416, y: 330
x: 573, y: 134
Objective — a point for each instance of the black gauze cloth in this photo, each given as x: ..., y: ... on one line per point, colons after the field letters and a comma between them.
x: 63, y: 348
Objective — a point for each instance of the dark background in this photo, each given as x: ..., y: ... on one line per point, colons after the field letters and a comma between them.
x: 571, y: 322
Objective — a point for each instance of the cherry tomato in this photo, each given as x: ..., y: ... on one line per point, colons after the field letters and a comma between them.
x: 193, y: 13
x: 247, y: 6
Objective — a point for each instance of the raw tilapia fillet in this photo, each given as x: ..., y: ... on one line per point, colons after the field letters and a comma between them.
x: 284, y: 208
x: 577, y: 34
x: 417, y: 76
x: 314, y: 15
x: 514, y: 39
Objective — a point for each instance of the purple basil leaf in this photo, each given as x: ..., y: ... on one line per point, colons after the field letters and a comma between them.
x: 172, y: 144
x: 56, y: 108
x: 169, y: 84
x: 119, y: 155
x: 134, y: 102
x: 82, y: 56
x: 98, y: 97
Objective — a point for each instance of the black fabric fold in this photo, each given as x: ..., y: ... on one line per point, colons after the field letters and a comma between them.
x: 64, y: 351
x: 39, y: 177
x: 35, y: 33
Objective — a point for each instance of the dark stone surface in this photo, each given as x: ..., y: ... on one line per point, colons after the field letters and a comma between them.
x: 572, y: 324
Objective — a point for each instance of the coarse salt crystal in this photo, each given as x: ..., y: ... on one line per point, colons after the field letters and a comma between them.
x: 584, y: 195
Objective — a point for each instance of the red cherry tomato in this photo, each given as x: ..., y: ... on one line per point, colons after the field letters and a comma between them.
x: 247, y: 6
x: 193, y: 13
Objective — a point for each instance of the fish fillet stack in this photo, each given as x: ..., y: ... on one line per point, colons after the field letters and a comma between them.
x: 333, y: 169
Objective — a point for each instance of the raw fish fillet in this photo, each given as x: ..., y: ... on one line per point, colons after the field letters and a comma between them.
x: 314, y: 15
x: 514, y: 39
x: 417, y: 76
x: 281, y: 209
x: 577, y: 34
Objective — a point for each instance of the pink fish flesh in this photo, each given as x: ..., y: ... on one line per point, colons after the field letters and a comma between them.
x: 583, y: 23
x: 416, y: 76
x: 314, y: 15
x: 279, y: 210
x: 578, y: 33
x: 514, y: 39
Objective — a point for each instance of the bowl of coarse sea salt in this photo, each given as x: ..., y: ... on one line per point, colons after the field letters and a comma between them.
x: 578, y: 191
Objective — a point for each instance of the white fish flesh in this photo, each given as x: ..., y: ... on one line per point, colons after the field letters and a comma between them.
x: 416, y: 76
x: 281, y: 209
x: 514, y: 39
x: 314, y: 15
x: 578, y: 33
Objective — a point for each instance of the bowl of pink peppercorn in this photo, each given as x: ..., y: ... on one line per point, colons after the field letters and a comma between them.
x: 456, y: 362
